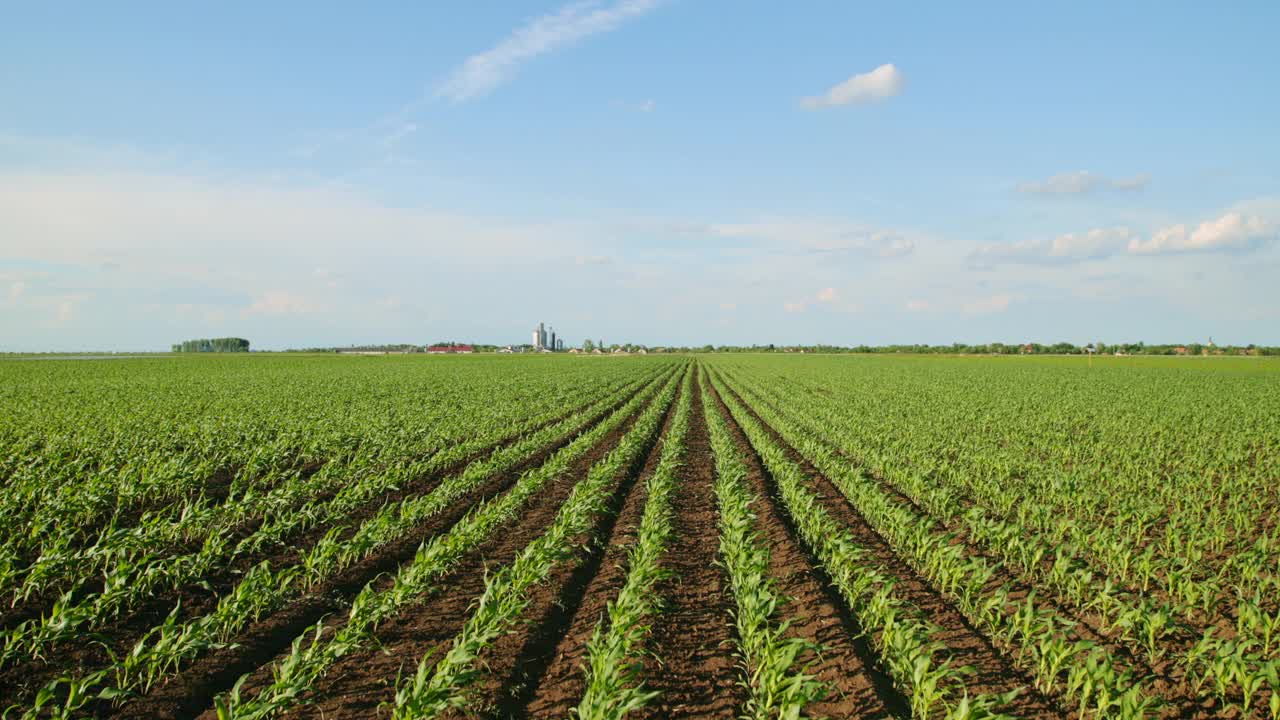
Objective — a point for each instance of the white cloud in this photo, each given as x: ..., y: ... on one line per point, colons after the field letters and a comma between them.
x: 245, y: 231
x: 1069, y: 248
x: 644, y: 106
x: 1081, y: 182
x: 65, y: 310
x: 483, y: 72
x: 989, y: 305
x: 279, y: 302
x: 1233, y: 231
x: 882, y: 83
x: 398, y: 133
x: 818, y: 236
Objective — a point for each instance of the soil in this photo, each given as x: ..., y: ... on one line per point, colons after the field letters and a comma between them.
x: 1168, y: 681
x: 194, y: 688
x: 692, y: 665
x: 358, y: 684
x: 993, y: 672
x: 847, y: 664
x: 538, y: 671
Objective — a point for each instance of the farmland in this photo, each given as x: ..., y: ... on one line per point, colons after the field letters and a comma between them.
x: 663, y: 536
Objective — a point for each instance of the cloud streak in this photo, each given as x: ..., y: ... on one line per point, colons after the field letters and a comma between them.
x: 1082, y: 182
x: 820, y: 237
x: 1064, y: 249
x: 484, y: 72
x: 882, y: 83
x: 1233, y: 231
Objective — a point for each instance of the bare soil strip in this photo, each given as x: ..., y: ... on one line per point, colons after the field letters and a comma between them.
x: 694, y: 670
x: 847, y: 663
x: 1169, y: 679
x: 539, y: 672
x: 995, y: 673
x: 194, y: 689
x: 358, y: 684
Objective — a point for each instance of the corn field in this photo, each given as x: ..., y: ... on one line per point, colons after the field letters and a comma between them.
x: 718, y: 536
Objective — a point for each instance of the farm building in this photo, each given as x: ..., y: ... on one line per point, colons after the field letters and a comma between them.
x: 450, y: 350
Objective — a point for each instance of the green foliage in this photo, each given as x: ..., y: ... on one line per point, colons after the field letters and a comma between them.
x: 214, y: 345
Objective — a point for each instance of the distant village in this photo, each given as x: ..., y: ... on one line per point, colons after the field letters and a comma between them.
x: 545, y: 339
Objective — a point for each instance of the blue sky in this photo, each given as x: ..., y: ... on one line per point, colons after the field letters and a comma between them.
x: 675, y: 171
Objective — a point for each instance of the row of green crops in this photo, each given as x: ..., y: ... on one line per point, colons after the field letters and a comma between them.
x: 1097, y: 487
x: 903, y: 634
x: 178, y: 543
x: 315, y: 651
x: 443, y: 683
x: 773, y: 664
x: 615, y: 665
x: 138, y: 571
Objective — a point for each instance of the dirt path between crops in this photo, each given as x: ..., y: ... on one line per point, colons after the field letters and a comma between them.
x: 694, y: 669
x: 539, y: 672
x: 360, y: 683
x: 218, y: 487
x: 1170, y: 683
x: 994, y: 672
x: 194, y: 689
x: 847, y: 664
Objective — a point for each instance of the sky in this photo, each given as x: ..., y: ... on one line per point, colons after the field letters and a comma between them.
x: 311, y: 173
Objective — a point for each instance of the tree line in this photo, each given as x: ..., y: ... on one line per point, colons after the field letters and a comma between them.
x: 218, y: 345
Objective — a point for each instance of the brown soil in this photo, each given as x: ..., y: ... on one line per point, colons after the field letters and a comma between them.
x: 358, y: 684
x: 1169, y: 681
x: 994, y: 673
x: 859, y: 688
x: 194, y: 688
x: 218, y: 488
x: 695, y: 671
x: 538, y: 672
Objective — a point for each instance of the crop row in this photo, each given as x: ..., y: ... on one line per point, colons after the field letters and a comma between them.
x: 316, y: 650
x: 1236, y: 670
x: 263, y: 590
x: 615, y: 664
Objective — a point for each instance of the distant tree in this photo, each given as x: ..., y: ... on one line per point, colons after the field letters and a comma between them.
x: 218, y: 345
x: 588, y: 346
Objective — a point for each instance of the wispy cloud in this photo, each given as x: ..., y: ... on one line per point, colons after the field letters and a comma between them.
x: 1069, y: 248
x: 1082, y: 182
x: 643, y: 106
x: 820, y: 237
x: 1233, y: 231
x: 988, y: 305
x: 483, y: 72
x: 882, y: 83
x: 279, y: 302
